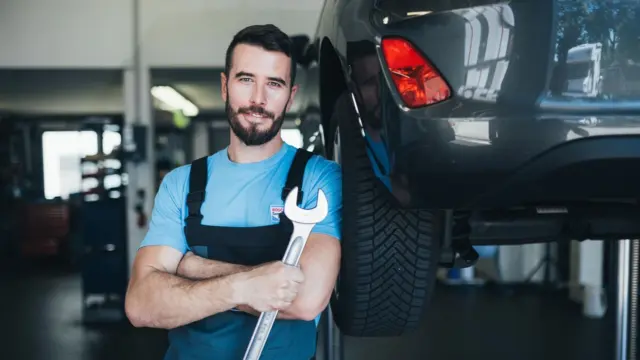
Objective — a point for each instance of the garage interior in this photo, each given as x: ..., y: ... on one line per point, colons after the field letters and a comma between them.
x: 81, y: 157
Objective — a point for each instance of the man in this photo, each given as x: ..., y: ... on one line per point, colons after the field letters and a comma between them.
x: 210, y: 262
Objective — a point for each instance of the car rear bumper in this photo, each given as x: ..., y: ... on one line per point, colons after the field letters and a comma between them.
x: 508, y: 162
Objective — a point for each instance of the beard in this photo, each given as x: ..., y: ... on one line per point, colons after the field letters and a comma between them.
x: 251, y: 135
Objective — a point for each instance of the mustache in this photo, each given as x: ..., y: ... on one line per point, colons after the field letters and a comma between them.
x: 257, y: 110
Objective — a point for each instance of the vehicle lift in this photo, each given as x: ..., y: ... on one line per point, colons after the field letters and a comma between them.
x: 626, y: 315
x: 626, y: 310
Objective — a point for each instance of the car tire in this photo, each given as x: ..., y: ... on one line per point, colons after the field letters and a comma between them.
x: 389, y: 255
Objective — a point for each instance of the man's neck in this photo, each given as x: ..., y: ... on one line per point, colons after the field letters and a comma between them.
x: 238, y: 152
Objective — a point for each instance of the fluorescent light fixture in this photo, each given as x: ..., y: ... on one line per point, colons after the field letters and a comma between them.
x: 418, y: 13
x: 172, y: 100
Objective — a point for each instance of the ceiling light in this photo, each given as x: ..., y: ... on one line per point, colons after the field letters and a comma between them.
x: 418, y: 13
x: 173, y: 100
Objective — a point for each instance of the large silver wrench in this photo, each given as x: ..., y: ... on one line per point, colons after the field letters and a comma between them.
x: 303, y: 222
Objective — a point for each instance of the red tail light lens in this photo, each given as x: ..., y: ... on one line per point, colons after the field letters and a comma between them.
x: 417, y: 81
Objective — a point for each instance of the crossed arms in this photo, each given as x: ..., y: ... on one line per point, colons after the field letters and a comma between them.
x: 319, y: 263
x: 169, y: 290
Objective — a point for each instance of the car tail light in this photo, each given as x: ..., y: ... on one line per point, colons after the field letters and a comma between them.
x: 417, y: 80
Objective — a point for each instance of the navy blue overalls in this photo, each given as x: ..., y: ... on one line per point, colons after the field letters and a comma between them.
x: 225, y: 336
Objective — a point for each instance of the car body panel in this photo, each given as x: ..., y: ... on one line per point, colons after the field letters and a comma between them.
x: 530, y: 79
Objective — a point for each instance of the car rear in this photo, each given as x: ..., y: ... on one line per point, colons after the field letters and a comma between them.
x: 510, y: 103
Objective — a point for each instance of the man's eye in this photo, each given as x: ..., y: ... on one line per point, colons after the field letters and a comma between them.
x: 245, y: 79
x: 273, y: 83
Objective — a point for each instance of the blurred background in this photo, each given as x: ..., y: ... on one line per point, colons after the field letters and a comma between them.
x: 99, y: 100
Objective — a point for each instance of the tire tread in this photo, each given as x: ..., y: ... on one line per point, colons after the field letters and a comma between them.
x: 389, y: 254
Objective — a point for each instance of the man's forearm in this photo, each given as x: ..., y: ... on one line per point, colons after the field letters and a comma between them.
x: 195, y: 267
x: 198, y: 268
x: 162, y: 300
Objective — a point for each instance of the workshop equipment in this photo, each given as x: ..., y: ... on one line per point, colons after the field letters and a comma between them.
x: 44, y: 229
x: 303, y: 222
x: 103, y: 265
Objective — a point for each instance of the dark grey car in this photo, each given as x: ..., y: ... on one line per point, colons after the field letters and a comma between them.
x: 466, y: 123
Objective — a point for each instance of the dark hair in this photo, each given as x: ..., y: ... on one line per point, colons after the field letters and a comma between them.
x: 268, y: 37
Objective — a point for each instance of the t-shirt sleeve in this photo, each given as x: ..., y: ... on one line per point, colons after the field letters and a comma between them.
x: 166, y: 225
x: 329, y: 180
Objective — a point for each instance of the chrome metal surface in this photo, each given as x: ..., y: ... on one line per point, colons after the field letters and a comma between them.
x: 633, y: 298
x: 622, y: 308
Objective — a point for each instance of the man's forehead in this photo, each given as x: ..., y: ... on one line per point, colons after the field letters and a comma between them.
x: 260, y: 62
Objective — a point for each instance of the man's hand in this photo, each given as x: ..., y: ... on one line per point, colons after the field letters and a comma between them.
x: 270, y: 287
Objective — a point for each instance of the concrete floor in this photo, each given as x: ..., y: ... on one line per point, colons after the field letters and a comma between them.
x: 41, y: 320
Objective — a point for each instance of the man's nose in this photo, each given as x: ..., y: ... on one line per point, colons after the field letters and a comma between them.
x: 258, y: 96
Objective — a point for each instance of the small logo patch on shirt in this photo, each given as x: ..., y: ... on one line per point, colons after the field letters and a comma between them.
x: 276, y: 210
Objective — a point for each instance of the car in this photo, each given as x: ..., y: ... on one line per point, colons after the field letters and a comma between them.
x: 458, y: 126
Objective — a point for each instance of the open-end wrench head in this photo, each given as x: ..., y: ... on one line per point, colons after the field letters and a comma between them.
x: 311, y: 216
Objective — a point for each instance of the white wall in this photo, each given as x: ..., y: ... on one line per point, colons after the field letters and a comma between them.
x: 196, y: 33
x: 65, y: 33
x: 100, y: 33
x: 586, y: 267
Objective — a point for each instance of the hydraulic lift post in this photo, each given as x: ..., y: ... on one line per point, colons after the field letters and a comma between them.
x: 622, y: 303
x: 627, y: 300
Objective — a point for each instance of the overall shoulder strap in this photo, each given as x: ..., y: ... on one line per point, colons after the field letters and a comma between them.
x: 197, y: 186
x: 296, y: 174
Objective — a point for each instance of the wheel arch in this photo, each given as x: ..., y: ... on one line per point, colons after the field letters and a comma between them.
x: 332, y: 85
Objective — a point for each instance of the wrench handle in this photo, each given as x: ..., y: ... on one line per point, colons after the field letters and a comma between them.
x: 267, y: 319
x: 294, y: 251
x: 260, y: 335
x: 297, y: 243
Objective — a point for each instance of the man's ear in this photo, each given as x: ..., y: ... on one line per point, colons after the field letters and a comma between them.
x: 294, y: 90
x: 223, y: 86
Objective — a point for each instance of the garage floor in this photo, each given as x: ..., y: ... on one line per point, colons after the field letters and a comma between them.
x: 41, y: 320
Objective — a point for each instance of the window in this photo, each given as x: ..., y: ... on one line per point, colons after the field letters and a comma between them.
x: 62, y: 151
x: 110, y: 141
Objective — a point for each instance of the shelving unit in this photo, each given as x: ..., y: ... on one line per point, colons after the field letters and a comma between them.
x: 103, y: 221
x: 102, y: 175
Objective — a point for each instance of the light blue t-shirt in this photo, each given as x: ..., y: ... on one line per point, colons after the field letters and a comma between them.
x: 243, y: 195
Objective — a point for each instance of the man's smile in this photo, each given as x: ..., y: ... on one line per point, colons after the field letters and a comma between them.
x: 256, y: 118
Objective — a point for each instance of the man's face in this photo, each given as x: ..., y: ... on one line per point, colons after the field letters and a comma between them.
x: 257, y: 93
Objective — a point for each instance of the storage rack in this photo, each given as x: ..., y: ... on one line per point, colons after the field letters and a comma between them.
x: 104, y: 230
